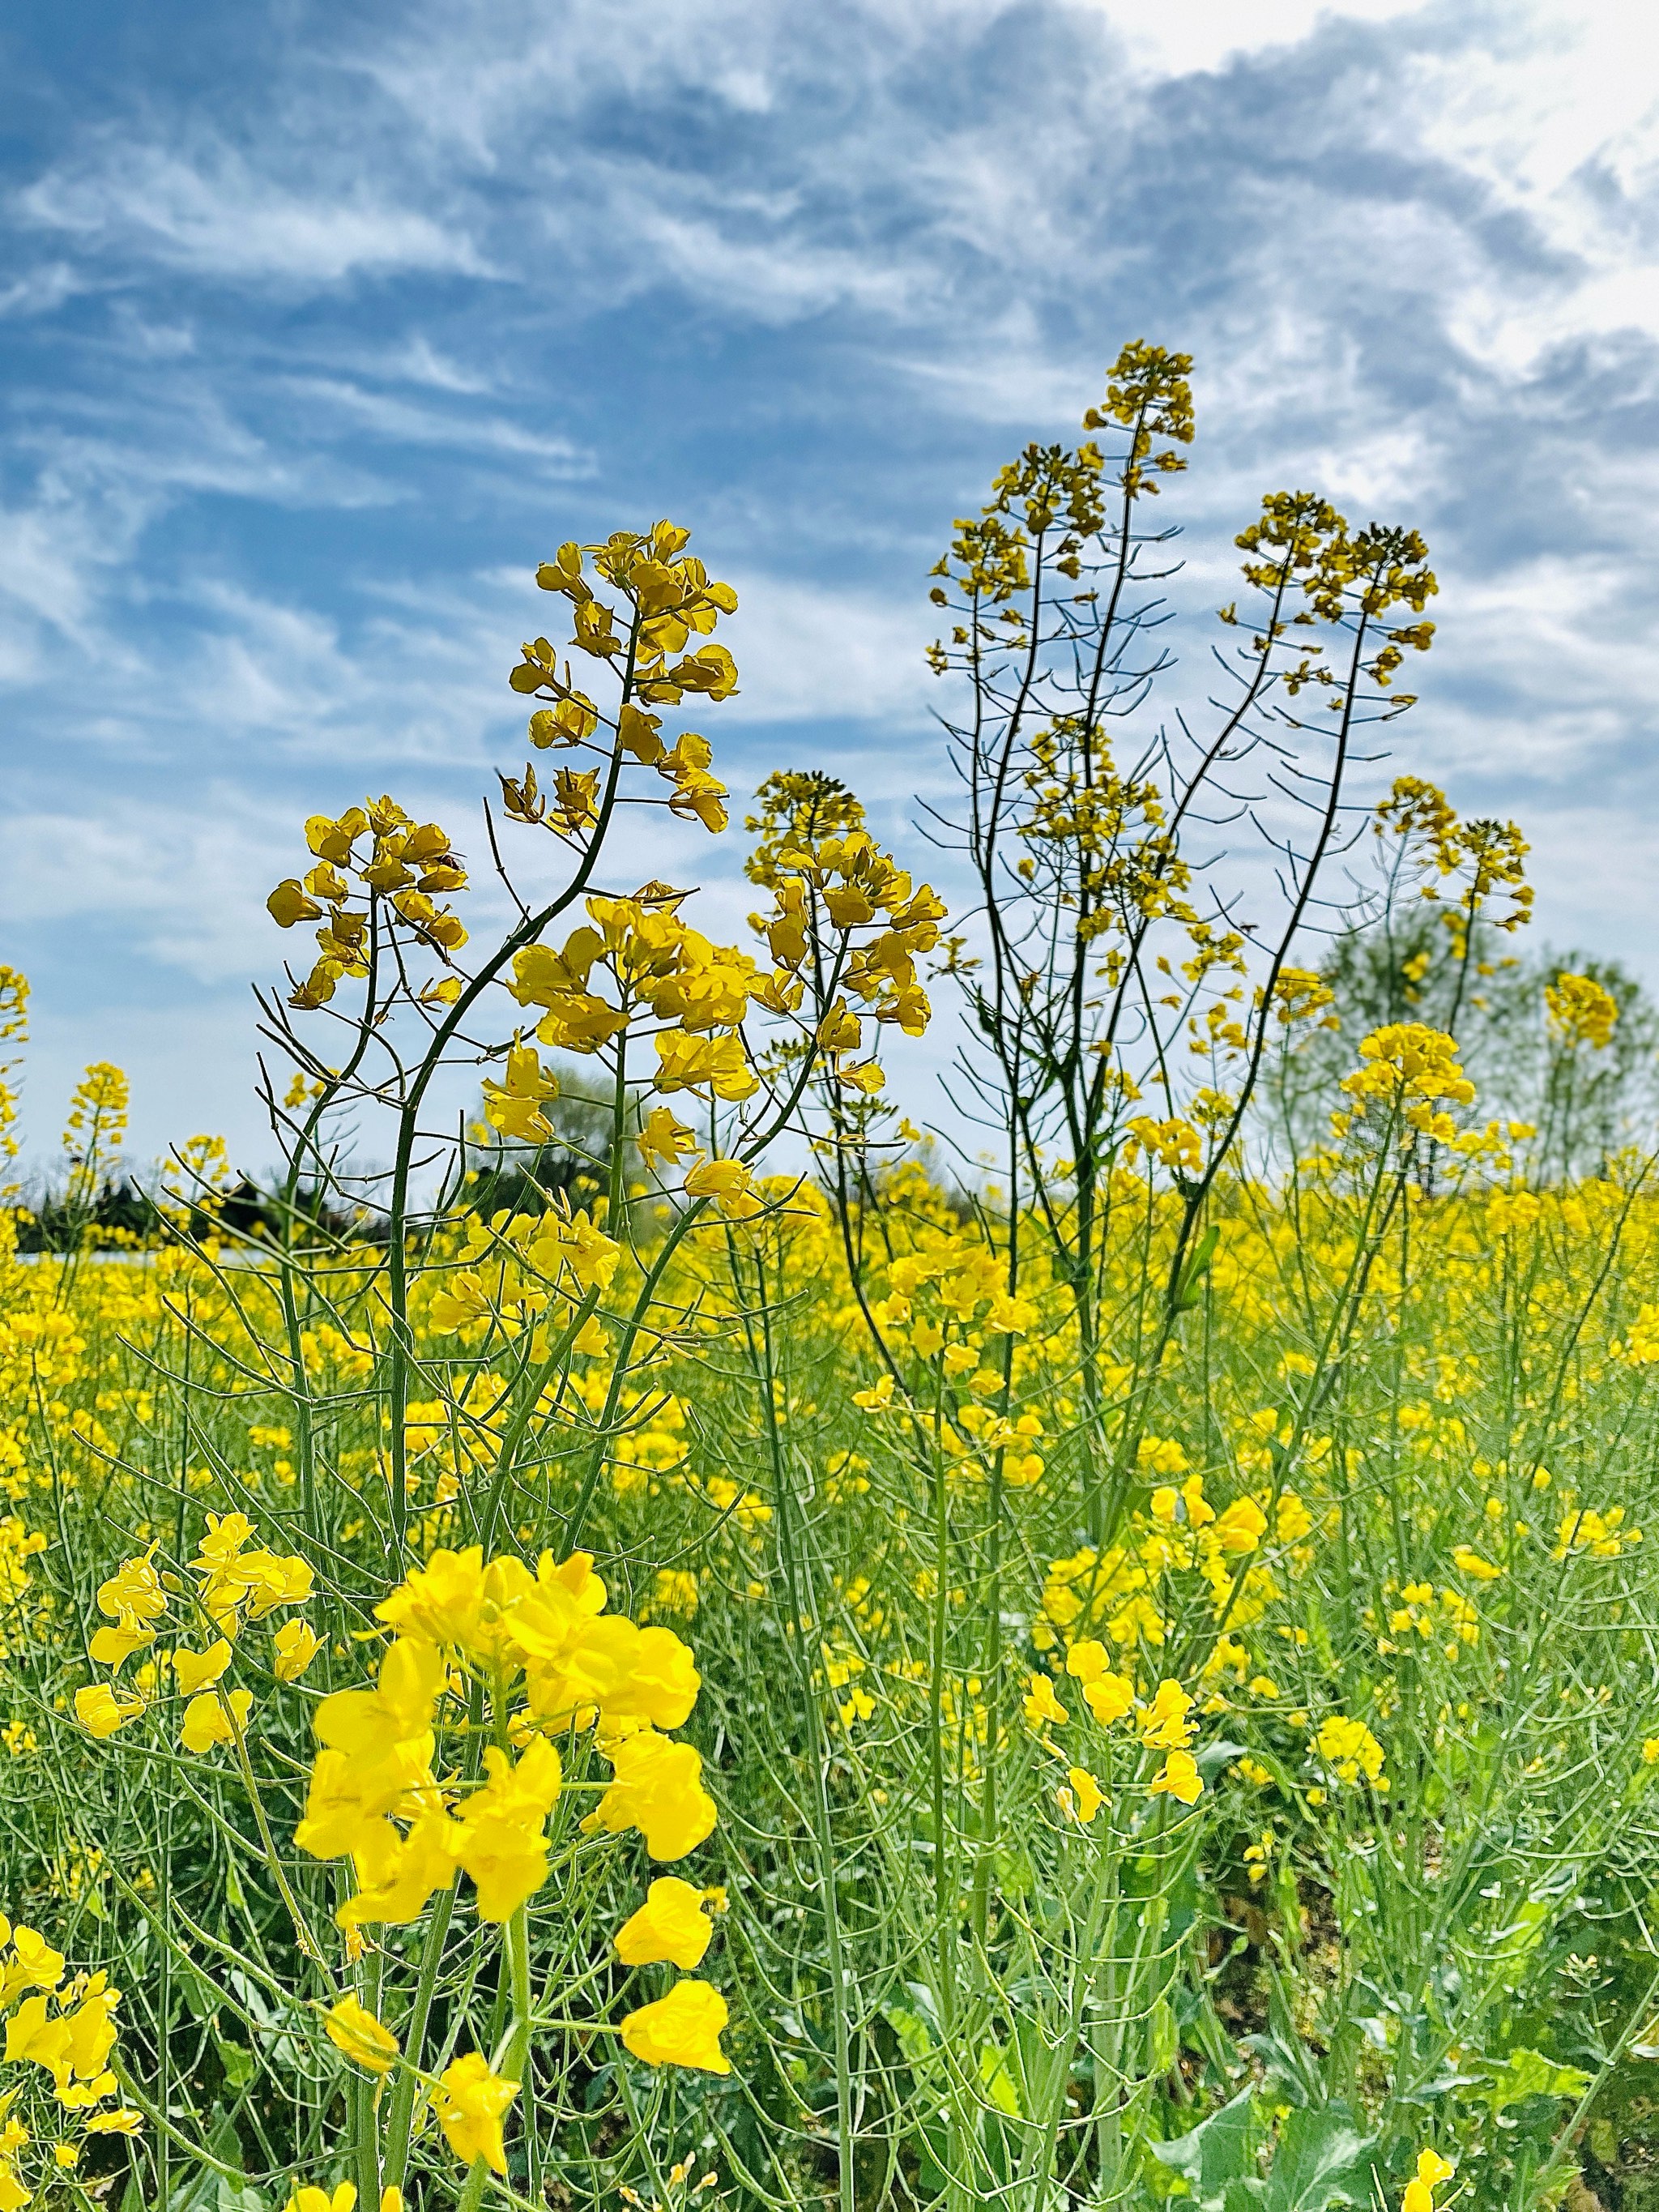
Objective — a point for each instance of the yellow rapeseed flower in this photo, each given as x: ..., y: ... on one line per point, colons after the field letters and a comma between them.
x: 1179, y: 1777
x: 1420, y: 2190
x: 657, y: 1789
x: 101, y: 1711
x: 295, y: 1644
x: 471, y: 2102
x: 352, y: 2028
x: 1085, y: 1795
x: 672, y: 1924
x: 207, y: 1722
x: 1041, y: 1707
x: 681, y: 2029
x: 308, y: 2199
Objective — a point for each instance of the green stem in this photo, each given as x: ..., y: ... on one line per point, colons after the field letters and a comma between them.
x: 401, y: 2117
x: 516, y: 2066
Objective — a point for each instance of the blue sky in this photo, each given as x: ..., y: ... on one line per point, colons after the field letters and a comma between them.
x: 320, y: 325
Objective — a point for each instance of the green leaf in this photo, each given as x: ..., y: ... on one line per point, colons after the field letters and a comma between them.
x: 998, y: 2082
x: 1322, y: 2160
x: 238, y: 2064
x: 915, y: 2038
x: 235, y: 2197
x: 200, y: 1996
x: 1525, y: 2074
x: 1217, y: 2151
x: 1196, y: 1270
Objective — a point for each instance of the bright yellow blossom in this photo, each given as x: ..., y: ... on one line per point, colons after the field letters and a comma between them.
x: 673, y: 1924
x: 681, y: 2029
x: 471, y: 2102
x: 1179, y: 1777
x: 1420, y: 2190
x: 657, y: 1789
x: 207, y: 1721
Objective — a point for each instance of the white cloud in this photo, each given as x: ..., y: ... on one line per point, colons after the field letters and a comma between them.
x: 41, y: 290
x: 812, y: 651
x: 466, y: 431
x: 419, y: 362
x: 221, y: 216
x: 1558, y: 122
x: 180, y: 880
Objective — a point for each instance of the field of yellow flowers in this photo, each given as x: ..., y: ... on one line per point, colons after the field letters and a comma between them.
x: 659, y: 1641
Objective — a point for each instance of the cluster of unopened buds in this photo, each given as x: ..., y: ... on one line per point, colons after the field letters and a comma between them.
x: 231, y: 1586
x: 668, y: 599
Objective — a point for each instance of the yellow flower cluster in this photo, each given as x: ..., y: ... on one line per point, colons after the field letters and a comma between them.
x: 233, y: 1585
x: 1161, y: 1720
x: 404, y: 862
x: 1581, y: 1012
x: 523, y: 1266
x: 13, y: 1029
x: 374, y: 1796
x: 97, y: 1121
x: 1602, y: 1535
x: 18, y: 1545
x: 1641, y: 1343
x: 1175, y: 1144
x: 514, y: 1104
x: 1350, y: 1749
x: 660, y: 969
x: 67, y: 2029
x: 1413, y: 1071
x: 854, y: 884
x: 1456, y: 1618
x: 1179, y: 1531
x: 936, y: 1296
x: 668, y: 597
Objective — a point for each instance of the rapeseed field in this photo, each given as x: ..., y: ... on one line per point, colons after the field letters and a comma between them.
x: 664, y: 1635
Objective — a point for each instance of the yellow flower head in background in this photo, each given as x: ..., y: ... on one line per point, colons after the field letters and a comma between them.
x: 1084, y: 1797
x: 342, y: 2198
x: 1350, y: 1747
x: 1420, y: 2190
x: 1179, y: 1778
x: 1041, y: 1707
x: 1581, y: 1012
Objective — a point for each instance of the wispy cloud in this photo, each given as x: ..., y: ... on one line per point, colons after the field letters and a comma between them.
x: 40, y: 290
x: 220, y: 216
x: 404, y: 423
